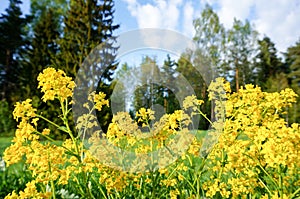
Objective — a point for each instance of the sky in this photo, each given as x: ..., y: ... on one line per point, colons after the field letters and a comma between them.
x: 278, y: 19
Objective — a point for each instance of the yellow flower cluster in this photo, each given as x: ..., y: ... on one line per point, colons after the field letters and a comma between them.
x: 24, y: 110
x: 145, y: 115
x: 99, y: 100
x: 55, y: 84
x: 256, y: 142
x: 29, y: 192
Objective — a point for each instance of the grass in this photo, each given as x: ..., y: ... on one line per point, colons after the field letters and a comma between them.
x: 4, y: 143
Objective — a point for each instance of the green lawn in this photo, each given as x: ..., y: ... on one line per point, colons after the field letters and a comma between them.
x: 4, y: 143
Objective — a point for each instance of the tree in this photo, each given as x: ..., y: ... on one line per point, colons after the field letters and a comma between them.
x: 13, y: 40
x: 148, y: 92
x: 210, y: 38
x: 88, y: 24
x: 170, y: 103
x: 241, y: 40
x: 268, y: 65
x: 42, y: 51
x: 187, y: 66
x: 293, y: 61
x: 40, y: 8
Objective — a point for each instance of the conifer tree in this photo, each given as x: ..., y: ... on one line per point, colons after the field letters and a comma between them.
x: 12, y: 42
x: 268, y: 65
x: 88, y: 24
x: 41, y: 52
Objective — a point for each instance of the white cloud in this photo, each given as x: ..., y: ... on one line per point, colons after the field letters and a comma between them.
x: 279, y: 20
x: 159, y: 14
x: 188, y: 17
x: 231, y: 8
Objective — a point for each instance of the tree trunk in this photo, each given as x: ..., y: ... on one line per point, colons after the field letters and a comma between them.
x: 237, y: 86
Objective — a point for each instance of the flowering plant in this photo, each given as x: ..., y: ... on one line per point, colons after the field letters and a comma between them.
x: 251, y: 152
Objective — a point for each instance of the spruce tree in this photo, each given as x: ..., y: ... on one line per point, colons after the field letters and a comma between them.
x: 89, y: 24
x: 12, y: 42
x: 268, y: 65
x: 42, y: 51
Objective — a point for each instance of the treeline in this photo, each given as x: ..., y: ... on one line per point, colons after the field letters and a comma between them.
x: 61, y: 33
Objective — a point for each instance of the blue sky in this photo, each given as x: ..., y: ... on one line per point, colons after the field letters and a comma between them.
x: 278, y: 19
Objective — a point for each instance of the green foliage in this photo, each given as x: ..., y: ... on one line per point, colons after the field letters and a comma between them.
x: 39, y: 8
x: 42, y: 51
x: 293, y: 60
x: 148, y: 92
x: 13, y: 178
x: 210, y: 38
x: 169, y: 78
x: 4, y: 143
x: 86, y: 25
x: 7, y: 123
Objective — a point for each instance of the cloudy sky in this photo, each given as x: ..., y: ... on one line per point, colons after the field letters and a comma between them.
x: 278, y: 19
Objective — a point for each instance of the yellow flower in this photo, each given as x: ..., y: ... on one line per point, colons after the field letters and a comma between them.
x: 145, y: 115
x: 24, y: 110
x: 46, y: 131
x: 174, y: 193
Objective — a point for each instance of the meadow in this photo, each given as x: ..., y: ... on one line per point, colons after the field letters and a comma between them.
x: 250, y: 152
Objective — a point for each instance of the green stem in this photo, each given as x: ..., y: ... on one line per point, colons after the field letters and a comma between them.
x: 270, y: 177
x: 64, y: 108
x: 295, y: 193
x: 205, y: 117
x: 99, y: 186
x: 222, y: 162
x: 280, y: 181
x: 51, y: 140
x: 53, y: 189
x: 80, y: 188
x: 54, y: 124
x: 65, y: 111
x: 51, y: 180
x: 265, y: 186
